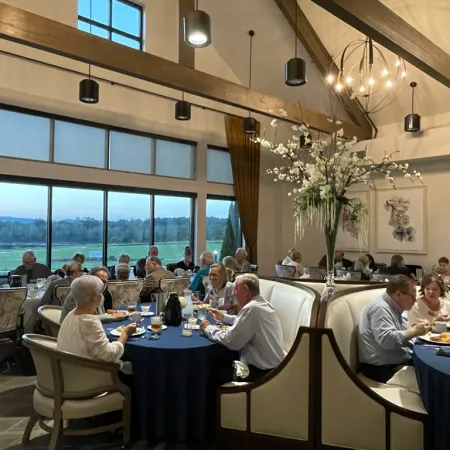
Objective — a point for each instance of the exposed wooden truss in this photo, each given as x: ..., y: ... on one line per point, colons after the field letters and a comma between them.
x: 380, y: 23
x: 39, y: 32
x: 320, y: 56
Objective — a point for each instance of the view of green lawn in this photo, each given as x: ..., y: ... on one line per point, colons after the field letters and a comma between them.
x: 169, y: 252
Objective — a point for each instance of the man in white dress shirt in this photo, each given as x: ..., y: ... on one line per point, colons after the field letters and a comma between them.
x: 255, y: 332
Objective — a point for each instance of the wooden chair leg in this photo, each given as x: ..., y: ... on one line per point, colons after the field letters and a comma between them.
x: 30, y: 425
x: 57, y: 426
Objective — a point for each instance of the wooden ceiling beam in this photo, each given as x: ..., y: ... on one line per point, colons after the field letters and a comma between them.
x: 186, y: 53
x: 321, y: 58
x: 377, y: 21
x: 39, y: 32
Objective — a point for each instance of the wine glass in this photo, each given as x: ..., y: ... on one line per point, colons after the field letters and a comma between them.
x: 40, y: 283
x: 156, y: 326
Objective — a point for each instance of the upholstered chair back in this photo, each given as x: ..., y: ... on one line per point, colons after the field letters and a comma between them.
x: 123, y: 292
x: 10, y: 303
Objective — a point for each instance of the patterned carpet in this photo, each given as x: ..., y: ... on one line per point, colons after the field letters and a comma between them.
x: 15, y: 406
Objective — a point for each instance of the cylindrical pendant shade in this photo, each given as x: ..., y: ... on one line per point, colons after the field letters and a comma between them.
x: 89, y: 91
x: 303, y: 143
x: 197, y: 29
x: 295, y: 72
x: 250, y: 125
x: 182, y: 110
x: 412, y: 123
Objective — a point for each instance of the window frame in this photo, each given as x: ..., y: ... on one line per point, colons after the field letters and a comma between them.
x: 106, y: 188
x: 110, y: 29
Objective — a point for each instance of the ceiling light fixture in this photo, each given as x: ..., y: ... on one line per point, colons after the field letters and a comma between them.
x: 182, y: 109
x: 197, y: 28
x: 295, y: 68
x: 89, y: 90
x: 250, y: 123
x: 412, y: 121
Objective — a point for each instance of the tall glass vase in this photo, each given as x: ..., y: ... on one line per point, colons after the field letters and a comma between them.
x: 331, y: 230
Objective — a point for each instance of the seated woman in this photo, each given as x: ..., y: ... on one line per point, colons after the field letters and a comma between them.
x: 220, y: 292
x: 295, y: 259
x: 397, y: 267
x: 430, y: 306
x: 362, y: 264
x: 371, y: 262
x: 232, y: 266
x: 82, y: 333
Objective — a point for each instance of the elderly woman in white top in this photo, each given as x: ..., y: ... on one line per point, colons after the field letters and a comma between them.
x: 294, y: 259
x: 82, y: 333
x: 241, y: 258
x: 430, y: 306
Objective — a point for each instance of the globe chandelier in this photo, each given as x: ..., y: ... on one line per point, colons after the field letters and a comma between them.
x: 363, y: 70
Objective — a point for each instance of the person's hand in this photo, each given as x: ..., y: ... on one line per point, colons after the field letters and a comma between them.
x: 130, y: 329
x: 203, y: 325
x: 218, y: 315
x: 422, y: 327
x: 441, y: 318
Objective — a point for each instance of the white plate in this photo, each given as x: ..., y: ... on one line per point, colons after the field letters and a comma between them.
x: 164, y: 327
x: 143, y: 314
x: 139, y: 332
x: 427, y: 338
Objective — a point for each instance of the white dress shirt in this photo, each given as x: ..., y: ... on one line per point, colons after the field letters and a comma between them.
x: 83, y: 335
x: 255, y: 332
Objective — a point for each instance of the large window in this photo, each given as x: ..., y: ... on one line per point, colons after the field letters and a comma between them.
x: 23, y: 223
x: 128, y: 226
x: 174, y: 159
x: 218, y: 166
x: 130, y: 152
x: 77, y: 226
x: 117, y: 20
x: 172, y: 227
x: 223, y: 230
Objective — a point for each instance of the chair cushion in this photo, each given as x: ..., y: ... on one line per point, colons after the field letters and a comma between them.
x: 78, y: 409
x: 396, y: 395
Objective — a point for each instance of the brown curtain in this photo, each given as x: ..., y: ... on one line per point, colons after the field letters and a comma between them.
x: 245, y: 164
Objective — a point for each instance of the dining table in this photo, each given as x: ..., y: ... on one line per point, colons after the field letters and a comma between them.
x: 433, y: 378
x: 173, y: 382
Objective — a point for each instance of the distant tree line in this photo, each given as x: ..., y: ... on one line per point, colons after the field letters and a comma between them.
x: 89, y: 231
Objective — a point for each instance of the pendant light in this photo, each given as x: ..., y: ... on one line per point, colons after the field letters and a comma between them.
x: 250, y: 123
x: 182, y: 109
x: 197, y: 28
x: 412, y: 121
x: 295, y: 68
x: 304, y: 139
x: 89, y: 88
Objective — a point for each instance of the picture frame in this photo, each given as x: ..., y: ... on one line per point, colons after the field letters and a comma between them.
x: 401, y: 220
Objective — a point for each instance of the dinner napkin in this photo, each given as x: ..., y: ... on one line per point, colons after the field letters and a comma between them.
x: 242, y: 370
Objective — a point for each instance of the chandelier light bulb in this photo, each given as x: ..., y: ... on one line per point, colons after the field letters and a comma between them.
x: 362, y: 89
x: 330, y: 78
x: 398, y: 62
x: 385, y: 73
x: 349, y: 80
x: 389, y: 83
x: 338, y: 87
x: 403, y: 74
x: 371, y: 82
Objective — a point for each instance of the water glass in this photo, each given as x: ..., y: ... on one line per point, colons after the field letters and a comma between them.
x: 186, y: 329
x: 40, y: 283
x: 201, y: 313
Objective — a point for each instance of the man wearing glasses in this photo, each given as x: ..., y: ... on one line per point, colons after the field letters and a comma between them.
x: 385, y: 337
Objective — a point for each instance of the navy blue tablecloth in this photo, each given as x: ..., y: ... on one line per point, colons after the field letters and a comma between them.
x: 174, y: 383
x: 433, y: 377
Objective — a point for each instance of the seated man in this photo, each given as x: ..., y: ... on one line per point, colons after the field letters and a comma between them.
x: 105, y: 303
x: 255, y: 332
x: 155, y: 274
x: 384, y: 334
x: 397, y: 267
x: 31, y: 268
x: 122, y: 272
x: 153, y: 251
x: 241, y: 258
x: 124, y: 258
x: 338, y: 259
x: 186, y: 264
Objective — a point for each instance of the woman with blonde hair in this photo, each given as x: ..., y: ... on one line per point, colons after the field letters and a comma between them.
x: 232, y: 265
x: 220, y: 292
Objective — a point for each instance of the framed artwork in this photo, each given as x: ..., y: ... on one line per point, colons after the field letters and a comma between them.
x: 347, y: 237
x: 402, y: 220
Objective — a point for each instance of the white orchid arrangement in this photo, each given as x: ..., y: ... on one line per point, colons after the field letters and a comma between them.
x: 322, y: 169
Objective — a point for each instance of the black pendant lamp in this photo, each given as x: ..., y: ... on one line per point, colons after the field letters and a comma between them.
x: 250, y: 123
x: 412, y: 121
x: 197, y: 28
x: 295, y: 68
x: 182, y: 109
x: 89, y: 90
x: 306, y: 141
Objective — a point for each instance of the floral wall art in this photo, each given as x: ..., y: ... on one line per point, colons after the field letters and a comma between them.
x: 349, y: 234
x: 402, y: 220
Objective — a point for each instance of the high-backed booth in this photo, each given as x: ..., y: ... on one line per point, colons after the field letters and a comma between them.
x: 356, y: 412
x: 276, y: 411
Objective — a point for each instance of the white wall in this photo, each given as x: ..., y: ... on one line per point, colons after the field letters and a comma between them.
x: 38, y: 87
